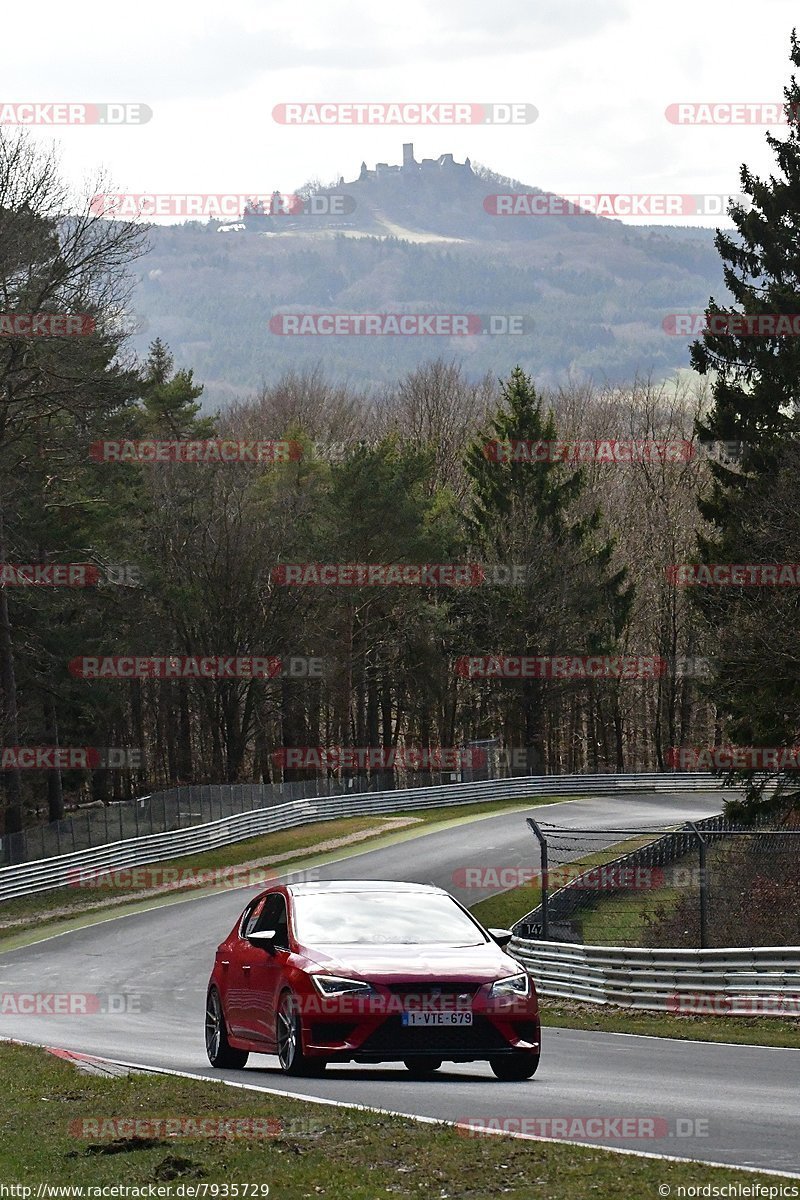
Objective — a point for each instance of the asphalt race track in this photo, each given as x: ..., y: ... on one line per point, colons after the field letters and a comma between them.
x: 156, y: 963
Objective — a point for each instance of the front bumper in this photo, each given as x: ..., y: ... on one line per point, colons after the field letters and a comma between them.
x: 499, y: 1027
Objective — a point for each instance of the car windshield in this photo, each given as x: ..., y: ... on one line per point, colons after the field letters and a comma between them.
x: 383, y: 918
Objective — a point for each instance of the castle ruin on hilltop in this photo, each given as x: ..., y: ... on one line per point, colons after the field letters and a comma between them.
x: 410, y: 166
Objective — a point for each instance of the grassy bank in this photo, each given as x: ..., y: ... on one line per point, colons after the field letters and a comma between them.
x: 505, y: 909
x: 309, y: 1150
x: 752, y: 1031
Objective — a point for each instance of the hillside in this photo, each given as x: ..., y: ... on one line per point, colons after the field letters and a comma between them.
x: 593, y: 291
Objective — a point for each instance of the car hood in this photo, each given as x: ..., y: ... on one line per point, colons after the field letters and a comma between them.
x: 479, y: 964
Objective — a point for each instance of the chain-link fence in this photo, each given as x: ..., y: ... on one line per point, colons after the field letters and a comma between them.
x: 194, y: 804
x: 175, y: 808
x: 709, y: 883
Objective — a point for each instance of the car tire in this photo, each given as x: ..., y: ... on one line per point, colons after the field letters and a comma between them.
x: 219, y: 1050
x: 515, y: 1067
x: 289, y: 1041
x: 422, y: 1067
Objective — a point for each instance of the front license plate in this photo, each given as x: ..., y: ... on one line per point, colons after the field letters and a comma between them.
x: 437, y: 1018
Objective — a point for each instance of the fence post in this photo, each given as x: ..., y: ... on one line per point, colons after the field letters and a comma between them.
x: 542, y: 840
x: 701, y: 842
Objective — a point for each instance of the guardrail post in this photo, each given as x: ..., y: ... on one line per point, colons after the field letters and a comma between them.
x: 701, y: 842
x: 542, y: 840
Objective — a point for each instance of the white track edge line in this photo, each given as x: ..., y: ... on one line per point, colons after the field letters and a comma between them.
x: 421, y: 1119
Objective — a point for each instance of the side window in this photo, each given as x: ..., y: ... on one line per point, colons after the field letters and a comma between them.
x: 274, y: 916
x: 250, y: 918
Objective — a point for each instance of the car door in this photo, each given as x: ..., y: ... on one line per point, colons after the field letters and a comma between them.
x: 239, y: 970
x: 266, y: 969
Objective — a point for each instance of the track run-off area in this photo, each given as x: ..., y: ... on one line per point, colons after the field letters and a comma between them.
x: 721, y: 1103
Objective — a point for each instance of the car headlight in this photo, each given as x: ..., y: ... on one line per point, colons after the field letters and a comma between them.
x: 512, y: 985
x: 335, y: 985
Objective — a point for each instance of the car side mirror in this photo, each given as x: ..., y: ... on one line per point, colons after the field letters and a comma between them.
x: 501, y: 936
x: 264, y: 938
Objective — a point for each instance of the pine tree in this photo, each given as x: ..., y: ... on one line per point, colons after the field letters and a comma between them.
x: 755, y: 385
x: 756, y: 403
x: 168, y: 397
x: 527, y: 513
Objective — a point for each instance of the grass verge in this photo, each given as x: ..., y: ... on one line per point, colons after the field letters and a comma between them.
x: 505, y: 909
x: 312, y: 1151
x: 744, y: 1031
x: 622, y: 920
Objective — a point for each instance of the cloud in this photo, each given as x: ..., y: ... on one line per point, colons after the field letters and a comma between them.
x: 223, y: 54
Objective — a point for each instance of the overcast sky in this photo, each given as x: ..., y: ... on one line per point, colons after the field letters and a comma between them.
x: 600, y: 72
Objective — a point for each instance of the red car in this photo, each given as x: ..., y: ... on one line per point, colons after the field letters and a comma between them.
x: 369, y: 972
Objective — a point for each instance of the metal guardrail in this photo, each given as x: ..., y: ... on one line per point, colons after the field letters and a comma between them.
x: 666, y: 980
x: 46, y: 874
x: 180, y: 807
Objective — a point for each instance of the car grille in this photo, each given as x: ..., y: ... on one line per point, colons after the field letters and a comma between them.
x: 432, y: 990
x: 395, y: 1038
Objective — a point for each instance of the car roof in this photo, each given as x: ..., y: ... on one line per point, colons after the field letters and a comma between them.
x: 362, y: 885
